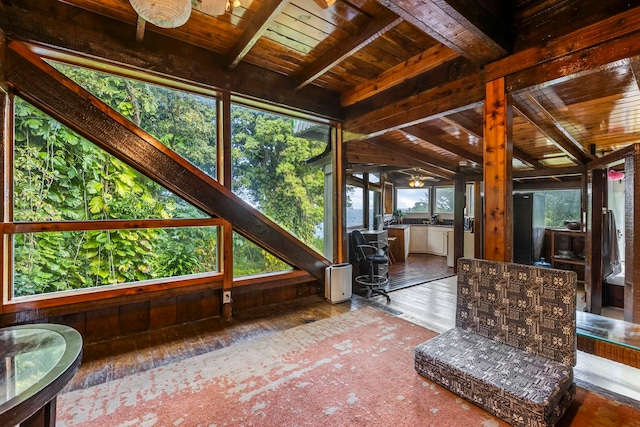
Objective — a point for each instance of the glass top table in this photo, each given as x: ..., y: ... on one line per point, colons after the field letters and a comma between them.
x: 612, y: 331
x: 39, y: 360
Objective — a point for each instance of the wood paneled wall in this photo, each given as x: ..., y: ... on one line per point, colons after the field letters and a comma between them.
x: 102, y: 320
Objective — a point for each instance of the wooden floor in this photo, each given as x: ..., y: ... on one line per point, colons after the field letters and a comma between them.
x: 416, y: 269
x: 430, y: 304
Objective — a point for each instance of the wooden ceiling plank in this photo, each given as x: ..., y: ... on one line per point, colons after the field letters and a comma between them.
x: 432, y: 160
x: 70, y: 104
x: 441, y: 143
x: 475, y: 33
x: 551, y: 128
x: 421, y: 63
x: 157, y: 56
x: 370, y: 32
x: 268, y: 13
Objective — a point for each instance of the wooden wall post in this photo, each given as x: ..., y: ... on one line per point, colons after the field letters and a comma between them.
x: 593, y: 269
x: 459, y: 202
x: 225, y: 234
x: 631, y: 238
x: 478, y: 224
x: 6, y: 147
x: 498, y: 173
x: 339, y: 162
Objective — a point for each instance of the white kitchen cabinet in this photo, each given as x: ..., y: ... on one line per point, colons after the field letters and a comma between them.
x: 437, y: 240
x: 469, y: 244
x: 418, y: 239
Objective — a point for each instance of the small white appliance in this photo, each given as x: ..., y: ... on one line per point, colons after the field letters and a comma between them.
x: 337, y: 282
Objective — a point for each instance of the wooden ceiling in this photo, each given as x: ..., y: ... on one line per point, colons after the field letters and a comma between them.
x: 406, y: 78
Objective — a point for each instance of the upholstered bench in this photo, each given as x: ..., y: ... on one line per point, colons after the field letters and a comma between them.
x: 513, y: 349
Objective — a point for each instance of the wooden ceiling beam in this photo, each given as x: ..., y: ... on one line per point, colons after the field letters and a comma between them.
x: 159, y: 56
x: 67, y: 102
x: 551, y: 128
x: 436, y: 102
x: 412, y: 67
x: 439, y: 142
x: 550, y: 172
x: 374, y: 29
x: 433, y: 164
x: 468, y: 28
x: 268, y: 12
x: 571, y: 46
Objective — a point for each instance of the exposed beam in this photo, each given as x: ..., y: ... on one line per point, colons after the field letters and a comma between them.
x: 436, y: 102
x: 466, y: 27
x: 469, y: 127
x: 67, y: 102
x: 268, y: 12
x: 551, y: 128
x: 576, y: 63
x: 432, y: 165
x: 366, y: 153
x: 593, y: 35
x: 369, y: 33
x: 614, y: 157
x: 421, y: 63
x: 158, y: 57
x: 550, y: 172
x: 441, y: 143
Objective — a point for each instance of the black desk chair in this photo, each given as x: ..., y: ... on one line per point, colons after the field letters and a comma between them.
x: 367, y: 256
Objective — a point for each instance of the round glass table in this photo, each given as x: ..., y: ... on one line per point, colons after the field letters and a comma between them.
x: 38, y: 361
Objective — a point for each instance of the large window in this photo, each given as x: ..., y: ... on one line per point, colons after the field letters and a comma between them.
x: 413, y: 200
x: 560, y: 205
x: 444, y: 200
x: 59, y: 176
x: 82, y: 218
x: 355, y: 206
x: 270, y: 172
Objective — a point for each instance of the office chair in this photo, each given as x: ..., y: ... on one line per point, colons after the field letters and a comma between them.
x: 368, y: 255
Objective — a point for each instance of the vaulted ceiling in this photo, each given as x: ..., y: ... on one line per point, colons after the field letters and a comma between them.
x: 406, y: 78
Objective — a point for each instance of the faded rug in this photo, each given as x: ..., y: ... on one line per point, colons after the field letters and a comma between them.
x: 354, y: 369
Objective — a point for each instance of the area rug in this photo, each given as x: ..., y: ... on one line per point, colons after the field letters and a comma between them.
x: 353, y: 369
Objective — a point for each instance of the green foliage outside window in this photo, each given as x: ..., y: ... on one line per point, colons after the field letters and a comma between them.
x: 59, y: 176
x: 560, y: 205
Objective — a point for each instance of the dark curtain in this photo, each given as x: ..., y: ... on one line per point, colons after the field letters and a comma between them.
x: 610, y: 251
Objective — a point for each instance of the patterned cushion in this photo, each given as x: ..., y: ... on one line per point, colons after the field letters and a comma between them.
x: 521, y: 388
x: 513, y: 349
x: 530, y: 308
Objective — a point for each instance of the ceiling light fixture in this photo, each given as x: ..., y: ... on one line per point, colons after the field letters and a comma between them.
x: 218, y: 7
x: 163, y: 13
x: 416, y: 181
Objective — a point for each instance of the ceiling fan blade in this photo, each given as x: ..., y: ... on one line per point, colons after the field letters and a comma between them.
x: 214, y: 7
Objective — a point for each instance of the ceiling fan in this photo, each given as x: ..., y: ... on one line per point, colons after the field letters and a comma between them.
x: 174, y: 13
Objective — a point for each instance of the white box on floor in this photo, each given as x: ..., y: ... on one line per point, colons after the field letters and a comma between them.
x: 337, y: 282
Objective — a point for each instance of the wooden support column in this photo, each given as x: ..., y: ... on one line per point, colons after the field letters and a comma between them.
x: 6, y: 149
x: 631, y: 238
x: 593, y: 269
x: 498, y: 172
x: 478, y: 224
x: 339, y: 162
x: 459, y: 201
x: 225, y: 234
